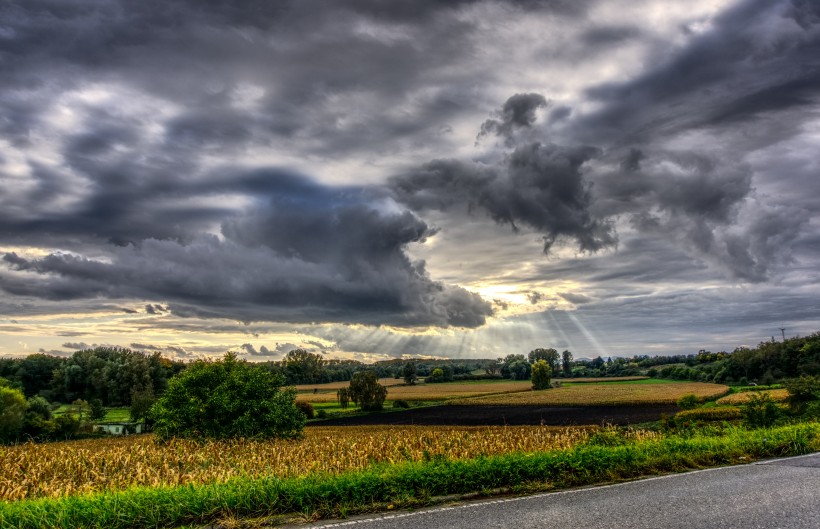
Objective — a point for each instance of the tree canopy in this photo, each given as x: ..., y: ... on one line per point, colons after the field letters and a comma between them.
x: 227, y: 398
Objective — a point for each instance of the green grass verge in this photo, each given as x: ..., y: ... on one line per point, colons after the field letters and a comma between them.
x: 407, y: 483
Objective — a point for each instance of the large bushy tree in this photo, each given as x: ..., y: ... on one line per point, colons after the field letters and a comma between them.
x: 12, y: 412
x: 227, y: 398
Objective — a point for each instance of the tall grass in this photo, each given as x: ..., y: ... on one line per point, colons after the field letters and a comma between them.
x: 604, y: 458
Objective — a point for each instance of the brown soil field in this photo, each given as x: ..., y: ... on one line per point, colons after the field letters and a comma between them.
x: 455, y: 415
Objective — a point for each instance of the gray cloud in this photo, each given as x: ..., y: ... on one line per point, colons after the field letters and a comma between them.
x: 518, y: 112
x: 77, y: 346
x: 540, y: 186
x: 340, y: 259
x: 163, y: 149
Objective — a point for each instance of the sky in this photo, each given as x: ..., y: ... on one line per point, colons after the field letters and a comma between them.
x: 373, y: 179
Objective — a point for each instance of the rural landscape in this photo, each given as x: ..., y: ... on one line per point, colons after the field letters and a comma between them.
x: 408, y: 263
x: 233, y: 445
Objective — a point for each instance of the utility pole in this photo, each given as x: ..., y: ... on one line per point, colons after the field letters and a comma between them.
x: 783, y: 332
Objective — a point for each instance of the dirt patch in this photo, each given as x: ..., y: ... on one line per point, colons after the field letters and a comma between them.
x: 511, y: 415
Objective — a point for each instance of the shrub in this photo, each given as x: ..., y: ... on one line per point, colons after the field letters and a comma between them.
x: 688, y: 402
x: 366, y: 391
x: 227, y: 398
x: 760, y: 411
x: 802, y: 391
x: 401, y: 404
x: 306, y: 408
x: 541, y: 374
x: 321, y: 414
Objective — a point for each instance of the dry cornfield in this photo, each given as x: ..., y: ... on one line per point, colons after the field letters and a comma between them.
x: 428, y: 392
x: 77, y: 467
x: 602, y: 395
x: 778, y: 395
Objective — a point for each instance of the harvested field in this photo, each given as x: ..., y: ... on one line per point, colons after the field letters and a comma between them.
x: 601, y: 395
x: 333, y: 386
x: 433, y: 392
x: 513, y: 415
x: 589, y: 380
x: 779, y: 395
x: 78, y: 467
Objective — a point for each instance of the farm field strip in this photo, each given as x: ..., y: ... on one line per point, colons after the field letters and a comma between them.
x: 431, y: 392
x: 601, y: 395
x: 82, y: 467
x: 779, y: 395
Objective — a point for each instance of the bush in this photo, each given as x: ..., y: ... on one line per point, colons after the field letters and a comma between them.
x: 321, y: 414
x: 366, y: 391
x: 688, y: 402
x: 401, y: 404
x: 227, y: 398
x: 760, y: 411
x: 802, y: 391
x: 541, y: 374
x: 306, y: 408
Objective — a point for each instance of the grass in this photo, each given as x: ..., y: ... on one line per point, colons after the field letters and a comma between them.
x: 604, y: 458
x: 603, y: 394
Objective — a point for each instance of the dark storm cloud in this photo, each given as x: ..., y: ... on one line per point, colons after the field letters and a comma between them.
x: 540, y: 186
x: 518, y: 112
x: 308, y: 253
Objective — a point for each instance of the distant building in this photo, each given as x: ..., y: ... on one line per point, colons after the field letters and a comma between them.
x: 119, y: 428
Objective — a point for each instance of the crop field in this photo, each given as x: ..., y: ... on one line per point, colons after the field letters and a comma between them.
x: 427, y: 392
x: 604, y: 394
x: 80, y: 467
x: 333, y: 386
x: 778, y: 395
x: 591, y: 380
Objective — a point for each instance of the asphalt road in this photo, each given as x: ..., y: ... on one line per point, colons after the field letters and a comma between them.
x: 782, y: 493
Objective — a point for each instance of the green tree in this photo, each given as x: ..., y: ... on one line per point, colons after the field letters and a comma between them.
x: 96, y: 410
x: 303, y: 367
x: 515, y: 367
x: 541, y: 374
x: 343, y: 396
x: 550, y: 356
x: 410, y: 373
x: 227, y: 398
x: 366, y: 391
x: 141, y: 402
x: 12, y: 412
x: 566, y: 363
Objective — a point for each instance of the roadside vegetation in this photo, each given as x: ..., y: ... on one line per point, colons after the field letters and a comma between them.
x: 609, y: 455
